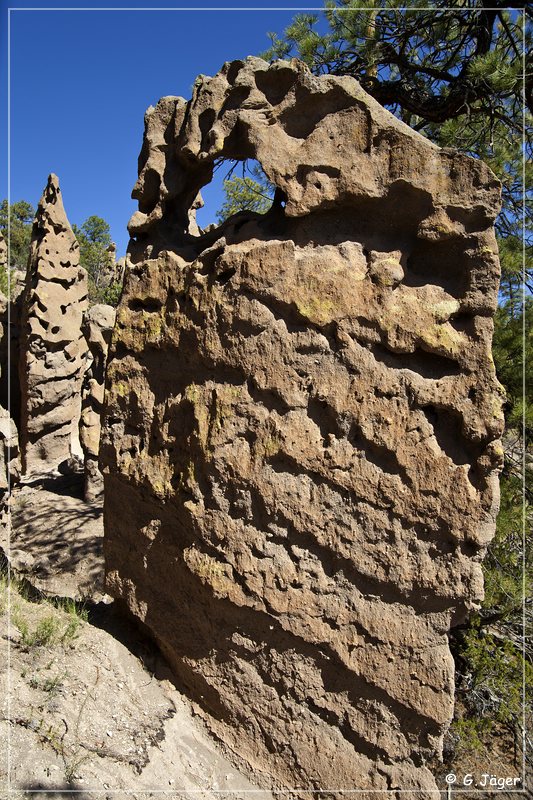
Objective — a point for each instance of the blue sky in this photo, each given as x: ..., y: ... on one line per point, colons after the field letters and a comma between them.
x: 82, y: 80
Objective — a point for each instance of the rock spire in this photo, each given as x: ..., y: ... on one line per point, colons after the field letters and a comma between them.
x: 52, y: 348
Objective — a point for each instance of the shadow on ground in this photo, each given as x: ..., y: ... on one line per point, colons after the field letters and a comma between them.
x: 56, y: 537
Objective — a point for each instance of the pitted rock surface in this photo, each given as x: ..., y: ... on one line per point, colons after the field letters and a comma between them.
x: 97, y: 328
x: 301, y: 440
x: 52, y: 347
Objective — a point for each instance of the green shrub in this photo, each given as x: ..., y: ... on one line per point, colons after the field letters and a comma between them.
x: 44, y: 633
x: 111, y: 294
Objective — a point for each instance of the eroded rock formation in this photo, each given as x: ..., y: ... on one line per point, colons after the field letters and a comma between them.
x: 9, y: 451
x: 301, y: 440
x: 110, y: 269
x: 9, y: 389
x: 52, y: 348
x: 97, y: 328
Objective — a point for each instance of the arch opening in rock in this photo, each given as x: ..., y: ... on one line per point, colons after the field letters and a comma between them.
x: 236, y: 186
x: 271, y: 468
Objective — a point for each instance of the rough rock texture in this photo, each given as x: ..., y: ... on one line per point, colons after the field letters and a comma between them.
x: 120, y: 270
x: 301, y: 439
x: 97, y: 328
x: 52, y: 347
x: 111, y: 269
x: 9, y: 451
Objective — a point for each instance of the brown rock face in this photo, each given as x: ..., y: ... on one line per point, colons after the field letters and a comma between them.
x: 301, y: 438
x: 52, y: 348
x: 9, y: 451
x: 97, y: 328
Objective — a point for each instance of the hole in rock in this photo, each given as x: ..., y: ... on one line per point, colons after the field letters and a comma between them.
x: 301, y: 118
x: 236, y: 186
x: 438, y: 264
x: 275, y: 86
x: 149, y: 304
x: 224, y: 277
x: 448, y: 430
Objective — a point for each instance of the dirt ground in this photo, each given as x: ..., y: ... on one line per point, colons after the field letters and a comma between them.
x: 88, y: 703
x: 56, y: 537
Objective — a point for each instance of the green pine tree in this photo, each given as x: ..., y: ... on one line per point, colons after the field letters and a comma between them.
x: 249, y: 192
x: 94, y: 238
x: 21, y: 220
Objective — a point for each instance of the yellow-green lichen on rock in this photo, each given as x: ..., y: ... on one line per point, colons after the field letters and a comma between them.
x: 423, y: 320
